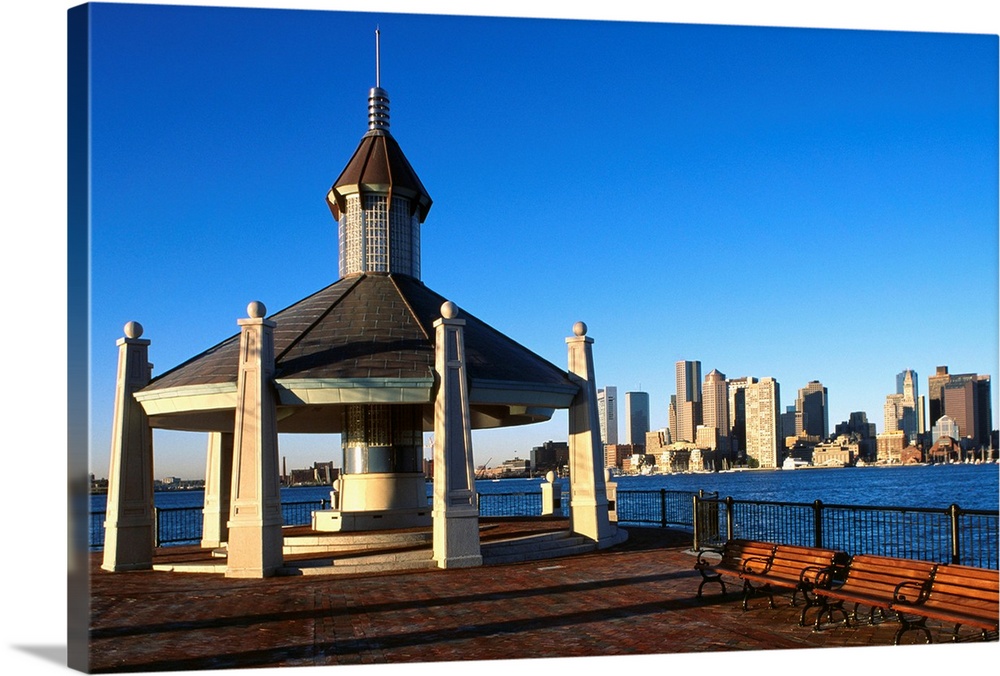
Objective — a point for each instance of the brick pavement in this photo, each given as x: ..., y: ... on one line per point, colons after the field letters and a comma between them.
x: 634, y: 599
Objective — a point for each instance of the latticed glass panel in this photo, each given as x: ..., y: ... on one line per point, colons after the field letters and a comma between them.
x: 374, y: 238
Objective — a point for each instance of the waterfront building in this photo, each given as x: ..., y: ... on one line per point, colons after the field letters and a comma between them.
x: 636, y: 417
x: 607, y: 411
x: 890, y: 446
x: 945, y: 427
x: 552, y: 455
x: 763, y: 422
x: 843, y: 451
x: 812, y: 403
x: 688, y: 404
x: 970, y: 407
x: 614, y: 454
x: 679, y: 457
x: 858, y: 427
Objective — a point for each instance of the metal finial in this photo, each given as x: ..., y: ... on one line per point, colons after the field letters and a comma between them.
x: 378, y: 98
x: 378, y: 69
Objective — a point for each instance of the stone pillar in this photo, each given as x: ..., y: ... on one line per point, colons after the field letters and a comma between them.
x: 588, y: 497
x: 129, y: 538
x: 218, y: 482
x: 255, y: 539
x: 551, y: 495
x: 455, y: 512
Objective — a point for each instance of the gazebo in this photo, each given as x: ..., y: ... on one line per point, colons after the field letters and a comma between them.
x: 376, y: 357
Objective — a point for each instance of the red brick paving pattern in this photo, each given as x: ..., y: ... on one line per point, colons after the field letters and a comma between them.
x: 637, y: 598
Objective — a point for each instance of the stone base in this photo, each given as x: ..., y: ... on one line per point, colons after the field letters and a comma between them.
x: 340, y: 521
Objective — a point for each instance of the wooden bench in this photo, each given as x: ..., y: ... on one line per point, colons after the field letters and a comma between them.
x: 958, y: 595
x: 734, y: 556
x: 763, y: 567
x: 802, y: 570
x: 875, y: 582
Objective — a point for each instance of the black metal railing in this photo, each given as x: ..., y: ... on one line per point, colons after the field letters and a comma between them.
x: 183, y: 525
x: 659, y: 507
x: 510, y: 504
x: 949, y: 535
x: 953, y: 534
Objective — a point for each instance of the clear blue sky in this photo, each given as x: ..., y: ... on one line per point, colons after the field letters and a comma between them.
x: 795, y: 203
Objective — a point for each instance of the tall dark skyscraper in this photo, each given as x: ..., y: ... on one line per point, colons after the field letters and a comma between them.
x: 965, y: 398
x: 812, y: 403
x: 688, y: 401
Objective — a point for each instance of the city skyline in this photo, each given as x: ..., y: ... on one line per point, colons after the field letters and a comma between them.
x: 748, y: 162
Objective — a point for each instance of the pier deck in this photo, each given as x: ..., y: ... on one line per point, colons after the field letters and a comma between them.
x: 637, y: 598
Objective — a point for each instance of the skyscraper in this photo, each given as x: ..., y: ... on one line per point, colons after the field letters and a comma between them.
x: 715, y: 406
x: 969, y: 406
x: 812, y: 403
x: 763, y: 421
x: 607, y: 412
x: 688, y: 402
x: 636, y: 417
x: 738, y: 415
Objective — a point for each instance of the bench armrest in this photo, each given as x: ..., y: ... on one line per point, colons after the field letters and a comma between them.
x: 757, y: 564
x: 703, y: 562
x: 817, y: 576
x: 911, y: 592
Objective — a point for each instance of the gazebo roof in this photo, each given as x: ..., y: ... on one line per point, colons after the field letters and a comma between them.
x: 367, y: 338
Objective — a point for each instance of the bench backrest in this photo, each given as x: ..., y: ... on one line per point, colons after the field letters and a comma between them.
x: 880, y: 575
x: 966, y: 587
x: 791, y: 560
x: 737, y: 551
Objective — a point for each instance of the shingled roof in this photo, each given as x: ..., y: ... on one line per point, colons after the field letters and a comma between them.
x: 366, y: 332
x: 378, y: 165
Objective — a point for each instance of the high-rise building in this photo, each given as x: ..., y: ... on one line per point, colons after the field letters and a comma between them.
x: 715, y: 403
x: 906, y: 384
x: 688, y: 402
x: 970, y: 407
x: 737, y: 414
x: 636, y: 417
x: 812, y: 403
x: 607, y: 413
x: 763, y: 422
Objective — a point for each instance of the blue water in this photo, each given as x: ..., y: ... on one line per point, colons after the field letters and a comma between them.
x: 968, y: 486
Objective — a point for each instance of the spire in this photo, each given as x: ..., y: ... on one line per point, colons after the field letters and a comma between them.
x: 378, y: 98
x: 378, y: 201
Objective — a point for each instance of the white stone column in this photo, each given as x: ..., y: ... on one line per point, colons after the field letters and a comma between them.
x: 255, y: 538
x: 588, y: 494
x: 129, y: 539
x: 218, y: 482
x: 455, y: 513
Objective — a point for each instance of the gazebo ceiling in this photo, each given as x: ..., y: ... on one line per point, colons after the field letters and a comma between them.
x: 366, y: 338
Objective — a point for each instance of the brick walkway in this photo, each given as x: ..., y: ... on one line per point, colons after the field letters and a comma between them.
x: 637, y: 598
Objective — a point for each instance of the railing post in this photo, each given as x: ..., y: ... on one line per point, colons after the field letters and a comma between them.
x: 156, y: 526
x: 697, y: 523
x: 663, y: 508
x: 953, y: 513
x: 818, y: 521
x: 729, y: 517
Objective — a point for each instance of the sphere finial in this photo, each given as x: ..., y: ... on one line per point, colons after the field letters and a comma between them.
x: 133, y: 330
x: 449, y: 310
x: 256, y: 309
x: 579, y: 329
